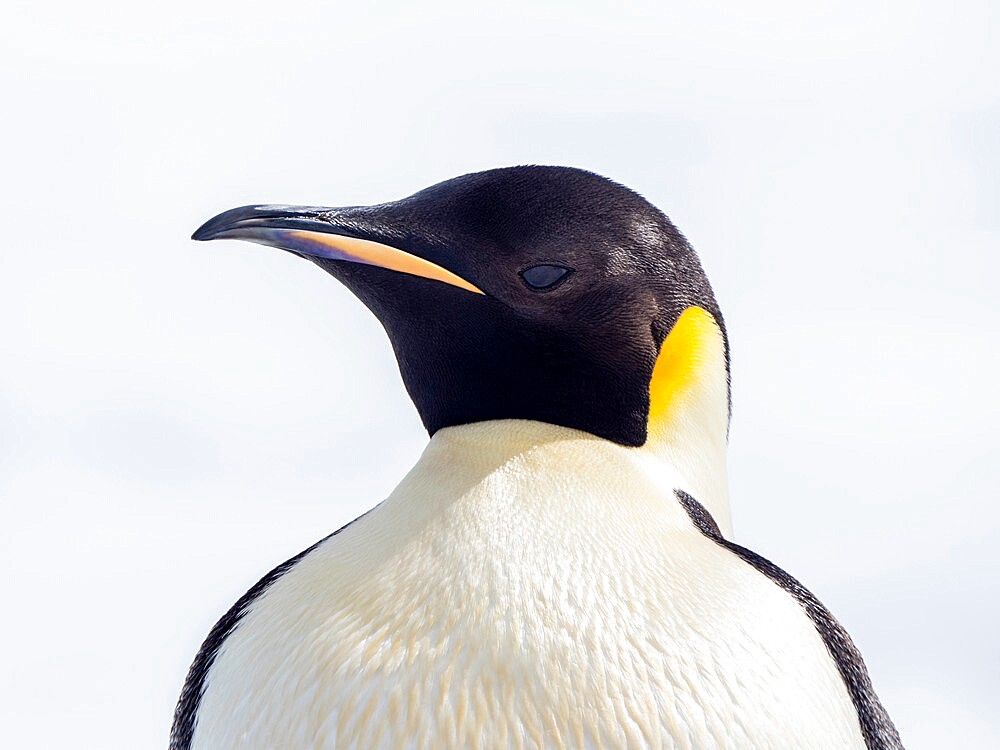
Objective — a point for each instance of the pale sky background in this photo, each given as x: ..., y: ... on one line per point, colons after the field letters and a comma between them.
x: 177, y: 418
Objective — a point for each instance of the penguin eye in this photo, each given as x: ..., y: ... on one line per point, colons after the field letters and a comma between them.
x: 544, y: 276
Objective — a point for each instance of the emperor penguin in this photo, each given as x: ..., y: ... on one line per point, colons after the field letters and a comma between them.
x: 557, y: 570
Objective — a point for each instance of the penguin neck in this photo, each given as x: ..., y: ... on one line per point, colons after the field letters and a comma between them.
x: 686, y: 450
x: 688, y: 424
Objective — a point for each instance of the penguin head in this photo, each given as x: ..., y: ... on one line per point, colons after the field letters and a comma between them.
x: 539, y: 293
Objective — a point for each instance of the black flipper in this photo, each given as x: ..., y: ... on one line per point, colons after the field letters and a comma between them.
x: 186, y: 713
x: 876, y: 726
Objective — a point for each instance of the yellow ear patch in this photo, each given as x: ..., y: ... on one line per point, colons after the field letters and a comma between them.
x: 691, y: 345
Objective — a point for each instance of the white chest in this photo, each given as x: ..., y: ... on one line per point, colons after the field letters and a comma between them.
x: 493, y: 606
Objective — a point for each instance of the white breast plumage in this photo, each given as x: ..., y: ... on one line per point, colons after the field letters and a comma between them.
x: 487, y: 603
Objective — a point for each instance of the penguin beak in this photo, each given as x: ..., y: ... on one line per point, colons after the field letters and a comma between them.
x: 321, y: 234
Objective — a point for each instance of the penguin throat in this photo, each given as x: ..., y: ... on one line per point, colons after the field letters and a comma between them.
x: 688, y: 419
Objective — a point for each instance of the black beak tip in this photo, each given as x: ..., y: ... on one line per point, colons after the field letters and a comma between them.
x: 218, y: 224
x: 231, y: 219
x: 244, y: 217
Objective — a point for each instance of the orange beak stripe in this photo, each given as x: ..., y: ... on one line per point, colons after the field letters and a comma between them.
x: 322, y: 244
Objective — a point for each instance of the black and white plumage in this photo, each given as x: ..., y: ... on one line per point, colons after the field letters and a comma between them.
x: 555, y: 571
